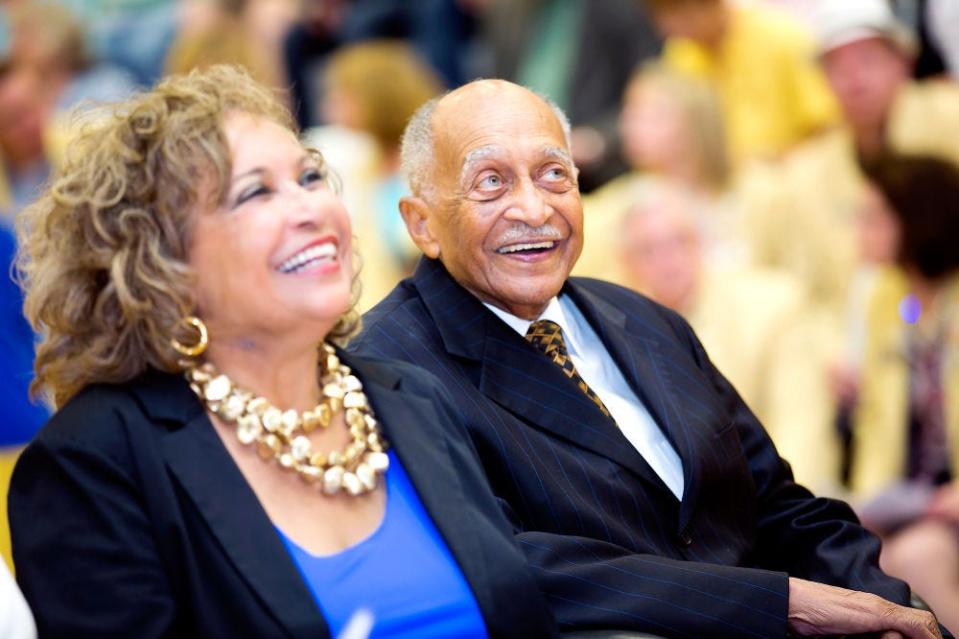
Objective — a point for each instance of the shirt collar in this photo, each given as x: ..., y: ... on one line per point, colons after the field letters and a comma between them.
x: 554, y: 311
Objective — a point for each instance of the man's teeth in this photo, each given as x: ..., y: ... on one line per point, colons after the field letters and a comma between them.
x: 325, y: 251
x: 532, y: 246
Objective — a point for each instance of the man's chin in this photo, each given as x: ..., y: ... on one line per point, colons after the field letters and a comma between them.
x: 527, y: 298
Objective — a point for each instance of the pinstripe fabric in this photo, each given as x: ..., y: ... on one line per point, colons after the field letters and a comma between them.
x: 608, y: 542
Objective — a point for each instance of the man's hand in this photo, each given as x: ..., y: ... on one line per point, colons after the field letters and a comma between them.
x: 818, y: 609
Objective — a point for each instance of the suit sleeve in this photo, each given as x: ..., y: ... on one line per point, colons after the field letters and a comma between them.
x: 83, y: 546
x: 825, y: 540
x: 587, y: 580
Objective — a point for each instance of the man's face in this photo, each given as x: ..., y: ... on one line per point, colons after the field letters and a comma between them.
x: 661, y: 252
x: 505, y: 212
x: 866, y: 75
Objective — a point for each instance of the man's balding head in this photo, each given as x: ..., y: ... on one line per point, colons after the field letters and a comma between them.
x: 494, y: 193
x: 417, y: 144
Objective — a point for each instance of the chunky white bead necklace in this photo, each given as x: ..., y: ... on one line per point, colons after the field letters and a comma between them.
x: 281, y: 435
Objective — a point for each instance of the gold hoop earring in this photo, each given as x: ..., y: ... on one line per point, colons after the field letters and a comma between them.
x: 203, y: 340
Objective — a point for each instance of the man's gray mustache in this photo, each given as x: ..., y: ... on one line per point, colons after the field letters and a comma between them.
x: 521, y: 231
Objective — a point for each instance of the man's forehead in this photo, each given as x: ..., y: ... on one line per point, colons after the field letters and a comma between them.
x: 477, y: 154
x: 867, y: 45
x: 489, y: 105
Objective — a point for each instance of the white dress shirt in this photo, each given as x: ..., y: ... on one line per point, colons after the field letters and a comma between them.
x: 599, y: 371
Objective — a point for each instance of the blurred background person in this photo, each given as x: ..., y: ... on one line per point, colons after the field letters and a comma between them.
x: 868, y: 57
x: 445, y: 34
x: 817, y: 190
x: 751, y: 321
x: 248, y: 33
x: 311, y: 39
x: 877, y: 240
x: 759, y: 61
x: 580, y: 54
x: 906, y: 425
x: 830, y: 228
x: 370, y: 90
x: 191, y: 269
x: 45, y: 71
x: 672, y: 130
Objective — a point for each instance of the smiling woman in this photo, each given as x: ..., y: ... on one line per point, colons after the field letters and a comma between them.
x: 217, y: 466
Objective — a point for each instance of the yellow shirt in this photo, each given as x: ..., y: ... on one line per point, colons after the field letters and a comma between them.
x: 772, y: 92
x: 8, y: 457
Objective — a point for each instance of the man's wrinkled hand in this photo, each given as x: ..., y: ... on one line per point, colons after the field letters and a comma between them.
x: 818, y: 609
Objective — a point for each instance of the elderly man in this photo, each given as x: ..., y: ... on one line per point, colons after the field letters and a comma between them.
x: 642, y: 489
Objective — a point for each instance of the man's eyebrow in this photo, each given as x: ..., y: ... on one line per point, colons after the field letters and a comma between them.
x: 481, y: 153
x: 559, y: 153
x: 476, y: 155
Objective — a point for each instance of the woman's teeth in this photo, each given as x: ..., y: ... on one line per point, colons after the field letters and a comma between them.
x: 306, y: 257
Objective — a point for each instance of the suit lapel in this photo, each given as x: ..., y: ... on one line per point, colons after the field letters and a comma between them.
x: 638, y: 354
x: 207, y: 473
x: 515, y: 375
x: 521, y: 379
x: 417, y: 436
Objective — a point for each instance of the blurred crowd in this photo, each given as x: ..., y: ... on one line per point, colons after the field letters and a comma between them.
x: 783, y: 173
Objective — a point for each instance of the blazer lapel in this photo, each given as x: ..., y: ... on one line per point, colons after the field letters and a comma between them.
x: 518, y: 377
x: 207, y: 473
x: 417, y: 436
x: 515, y: 375
x: 637, y: 351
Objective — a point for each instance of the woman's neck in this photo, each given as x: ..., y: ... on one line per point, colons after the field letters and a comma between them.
x: 285, y: 374
x: 928, y: 293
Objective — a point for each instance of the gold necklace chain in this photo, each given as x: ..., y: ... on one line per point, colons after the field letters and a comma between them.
x: 282, y: 435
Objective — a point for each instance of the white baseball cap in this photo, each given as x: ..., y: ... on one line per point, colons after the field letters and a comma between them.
x: 840, y: 22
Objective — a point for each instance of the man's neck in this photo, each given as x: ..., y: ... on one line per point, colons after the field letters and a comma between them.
x: 528, y: 312
x: 869, y: 140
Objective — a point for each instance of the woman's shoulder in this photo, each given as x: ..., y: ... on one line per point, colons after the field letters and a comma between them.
x: 95, y: 415
x: 393, y: 373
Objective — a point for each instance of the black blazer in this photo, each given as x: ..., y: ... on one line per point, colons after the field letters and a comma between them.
x: 129, y: 518
x: 608, y: 543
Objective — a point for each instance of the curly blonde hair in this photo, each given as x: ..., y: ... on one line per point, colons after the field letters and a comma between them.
x: 103, y: 251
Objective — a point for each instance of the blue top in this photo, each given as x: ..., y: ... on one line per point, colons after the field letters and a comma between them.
x: 403, y: 574
x: 22, y: 418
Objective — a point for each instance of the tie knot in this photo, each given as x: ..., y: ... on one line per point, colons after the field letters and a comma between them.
x: 547, y: 336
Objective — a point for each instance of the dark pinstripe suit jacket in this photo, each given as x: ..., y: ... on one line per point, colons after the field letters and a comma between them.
x: 607, y: 541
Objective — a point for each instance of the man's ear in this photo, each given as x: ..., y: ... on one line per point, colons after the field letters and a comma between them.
x: 418, y: 216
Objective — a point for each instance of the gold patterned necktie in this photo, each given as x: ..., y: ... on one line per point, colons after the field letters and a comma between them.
x: 547, y: 336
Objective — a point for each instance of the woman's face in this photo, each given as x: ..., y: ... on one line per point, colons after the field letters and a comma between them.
x: 275, y: 258
x: 654, y: 131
